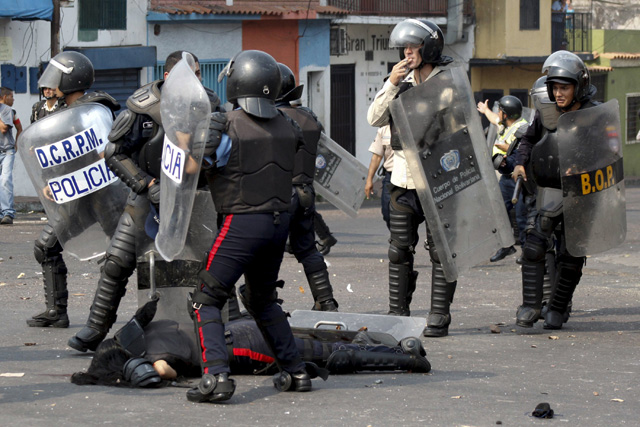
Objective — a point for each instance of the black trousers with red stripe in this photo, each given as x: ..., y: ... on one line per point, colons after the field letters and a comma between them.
x: 253, y: 245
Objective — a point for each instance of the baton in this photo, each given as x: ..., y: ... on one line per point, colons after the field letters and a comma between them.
x: 517, y: 190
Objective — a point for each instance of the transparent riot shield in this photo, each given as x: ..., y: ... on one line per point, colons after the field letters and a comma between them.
x: 173, y: 281
x: 340, y: 177
x: 83, y: 199
x: 397, y: 326
x: 185, y: 111
x: 592, y: 178
x: 444, y: 145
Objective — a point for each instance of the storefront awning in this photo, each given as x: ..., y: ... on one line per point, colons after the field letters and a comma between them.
x: 26, y: 10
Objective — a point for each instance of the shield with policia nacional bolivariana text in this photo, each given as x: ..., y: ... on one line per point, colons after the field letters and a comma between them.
x: 186, y: 111
x: 339, y: 176
x: 444, y: 144
x: 593, y: 190
x: 83, y: 199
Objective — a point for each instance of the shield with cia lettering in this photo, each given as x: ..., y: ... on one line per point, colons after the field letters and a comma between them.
x: 186, y: 111
x: 444, y: 145
x: 83, y: 199
x: 592, y: 178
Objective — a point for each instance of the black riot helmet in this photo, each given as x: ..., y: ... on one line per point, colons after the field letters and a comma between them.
x: 420, y: 32
x: 289, y: 91
x: 253, y: 82
x: 510, y: 106
x: 567, y: 67
x: 68, y: 71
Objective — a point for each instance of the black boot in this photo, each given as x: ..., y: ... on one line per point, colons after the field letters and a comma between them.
x: 298, y: 381
x: 322, y: 291
x: 212, y: 388
x: 400, y: 276
x: 569, y: 275
x: 350, y: 361
x: 54, y: 276
x: 441, y: 298
x: 102, y: 314
x: 532, y: 281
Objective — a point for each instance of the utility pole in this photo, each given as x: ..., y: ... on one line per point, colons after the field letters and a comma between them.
x: 55, y: 29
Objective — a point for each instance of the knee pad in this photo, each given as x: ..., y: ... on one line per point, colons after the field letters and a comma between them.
x: 255, y: 300
x: 534, y: 248
x: 402, y: 229
x: 46, y: 245
x: 217, y: 294
x: 399, y: 255
x: 116, y: 269
x: 546, y: 225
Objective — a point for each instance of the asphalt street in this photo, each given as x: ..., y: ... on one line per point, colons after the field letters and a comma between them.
x: 486, y: 372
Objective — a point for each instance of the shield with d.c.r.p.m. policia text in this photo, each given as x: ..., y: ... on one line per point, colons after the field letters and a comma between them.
x: 83, y: 199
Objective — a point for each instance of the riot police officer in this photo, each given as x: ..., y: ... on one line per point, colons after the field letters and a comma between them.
x: 511, y: 127
x: 421, y: 43
x: 303, y: 206
x: 134, y: 154
x: 48, y: 105
x: 71, y: 73
x: 568, y: 85
x: 251, y: 189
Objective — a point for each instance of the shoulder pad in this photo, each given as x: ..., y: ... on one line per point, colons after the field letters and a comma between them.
x: 146, y: 100
x: 101, y: 98
x: 121, y: 125
x: 521, y: 130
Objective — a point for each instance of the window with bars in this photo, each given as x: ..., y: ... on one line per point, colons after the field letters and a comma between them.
x: 600, y: 82
x: 633, y: 118
x: 102, y: 15
x: 209, y: 71
x: 529, y: 14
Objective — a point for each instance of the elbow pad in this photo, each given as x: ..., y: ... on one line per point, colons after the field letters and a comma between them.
x: 127, y: 171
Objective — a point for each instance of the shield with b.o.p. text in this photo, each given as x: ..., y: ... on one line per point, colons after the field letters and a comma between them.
x: 444, y: 145
x: 83, y: 199
x: 593, y: 191
x: 186, y: 111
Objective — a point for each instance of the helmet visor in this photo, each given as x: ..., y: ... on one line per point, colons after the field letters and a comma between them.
x: 51, y: 76
x: 410, y: 32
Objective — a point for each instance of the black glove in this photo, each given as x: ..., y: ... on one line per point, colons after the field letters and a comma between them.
x: 153, y: 194
x: 217, y: 126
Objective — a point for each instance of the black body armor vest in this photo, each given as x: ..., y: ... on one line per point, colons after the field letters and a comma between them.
x: 544, y: 160
x: 257, y: 177
x: 304, y: 168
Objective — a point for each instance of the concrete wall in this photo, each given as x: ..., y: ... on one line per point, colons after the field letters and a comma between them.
x: 504, y: 77
x: 208, y: 41
x: 498, y: 31
x: 314, y: 73
x: 621, y: 82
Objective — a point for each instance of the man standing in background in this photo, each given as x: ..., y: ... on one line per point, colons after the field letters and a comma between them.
x: 7, y: 154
